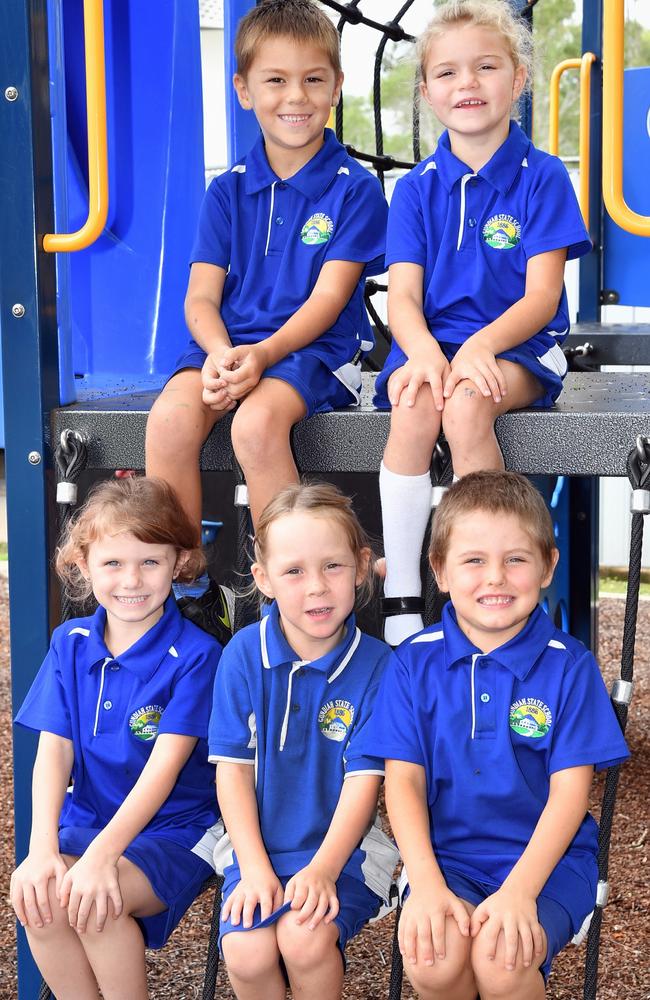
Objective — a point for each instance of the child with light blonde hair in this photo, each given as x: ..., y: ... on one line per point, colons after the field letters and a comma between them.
x: 478, y: 236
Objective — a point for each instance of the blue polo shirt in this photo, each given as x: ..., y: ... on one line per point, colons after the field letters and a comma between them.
x: 299, y: 723
x: 273, y: 236
x: 490, y: 729
x: 113, y: 708
x: 474, y: 234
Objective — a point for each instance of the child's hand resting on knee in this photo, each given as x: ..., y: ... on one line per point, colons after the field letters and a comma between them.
x: 423, y: 924
x: 514, y: 913
x: 28, y: 889
x: 476, y: 362
x: 215, y: 392
x: 258, y: 885
x: 427, y: 364
x: 312, y: 891
x: 92, y: 879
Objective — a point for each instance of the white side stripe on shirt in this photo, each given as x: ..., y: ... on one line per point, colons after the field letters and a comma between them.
x: 428, y: 637
x: 79, y: 631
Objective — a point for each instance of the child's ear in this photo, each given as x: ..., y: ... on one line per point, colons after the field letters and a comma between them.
x: 550, y: 569
x: 181, y: 559
x: 336, y: 96
x: 519, y: 82
x: 83, y: 567
x: 440, y: 577
x: 363, y: 565
x: 261, y: 580
x: 239, y: 83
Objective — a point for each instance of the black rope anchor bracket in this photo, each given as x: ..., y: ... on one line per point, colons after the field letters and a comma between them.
x: 638, y: 470
x: 70, y: 457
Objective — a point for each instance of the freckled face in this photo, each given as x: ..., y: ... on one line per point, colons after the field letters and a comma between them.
x: 493, y: 572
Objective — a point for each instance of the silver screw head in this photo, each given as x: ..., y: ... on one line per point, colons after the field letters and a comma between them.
x: 11, y: 93
x: 18, y: 310
x: 34, y: 458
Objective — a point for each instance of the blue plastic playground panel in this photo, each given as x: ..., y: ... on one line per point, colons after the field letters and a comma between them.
x: 125, y: 292
x: 242, y: 125
x: 627, y: 257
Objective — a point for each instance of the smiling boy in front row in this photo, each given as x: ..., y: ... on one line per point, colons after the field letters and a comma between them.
x: 491, y: 723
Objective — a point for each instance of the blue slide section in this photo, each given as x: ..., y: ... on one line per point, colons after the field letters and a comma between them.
x: 627, y: 257
x: 121, y: 300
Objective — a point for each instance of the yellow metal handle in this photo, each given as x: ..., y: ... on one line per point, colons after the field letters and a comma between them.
x: 97, y: 146
x: 613, y: 66
x: 584, y: 65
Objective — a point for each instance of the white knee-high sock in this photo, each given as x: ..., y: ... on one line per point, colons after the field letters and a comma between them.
x: 406, y: 509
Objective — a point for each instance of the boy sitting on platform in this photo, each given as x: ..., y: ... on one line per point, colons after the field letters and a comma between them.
x: 492, y: 722
x: 285, y: 240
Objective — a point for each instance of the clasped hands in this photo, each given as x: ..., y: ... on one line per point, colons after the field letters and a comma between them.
x: 228, y: 375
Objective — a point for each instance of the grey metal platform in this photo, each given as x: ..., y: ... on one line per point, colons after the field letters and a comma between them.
x: 588, y: 433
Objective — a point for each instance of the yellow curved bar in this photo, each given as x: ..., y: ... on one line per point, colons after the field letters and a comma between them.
x: 97, y: 145
x: 613, y: 66
x: 554, y: 103
x: 584, y: 65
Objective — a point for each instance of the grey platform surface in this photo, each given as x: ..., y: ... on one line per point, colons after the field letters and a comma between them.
x: 588, y: 433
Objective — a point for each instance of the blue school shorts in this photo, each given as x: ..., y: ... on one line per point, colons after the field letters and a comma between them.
x: 524, y: 355
x: 175, y: 873
x: 310, y: 377
x: 357, y: 905
x: 551, y: 915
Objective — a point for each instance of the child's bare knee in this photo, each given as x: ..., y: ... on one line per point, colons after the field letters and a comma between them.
x: 303, y: 949
x: 250, y: 957
x: 175, y: 424
x: 492, y: 977
x: 467, y: 412
x: 257, y: 430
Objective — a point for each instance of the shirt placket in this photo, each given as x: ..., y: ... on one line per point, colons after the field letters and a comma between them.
x: 105, y: 716
x: 467, y: 220
x: 277, y: 221
x: 483, y: 693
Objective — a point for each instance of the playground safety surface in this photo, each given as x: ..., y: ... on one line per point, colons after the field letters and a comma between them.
x: 176, y: 971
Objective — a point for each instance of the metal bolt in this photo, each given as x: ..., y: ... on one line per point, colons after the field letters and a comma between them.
x: 18, y: 310
x: 34, y: 458
x: 11, y: 93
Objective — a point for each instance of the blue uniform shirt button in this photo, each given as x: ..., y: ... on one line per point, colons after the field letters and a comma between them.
x: 471, y: 223
x: 485, y: 697
x: 115, y: 666
x: 279, y: 221
x: 108, y: 705
x: 295, y: 708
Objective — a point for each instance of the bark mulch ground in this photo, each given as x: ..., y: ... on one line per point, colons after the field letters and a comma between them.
x: 176, y: 971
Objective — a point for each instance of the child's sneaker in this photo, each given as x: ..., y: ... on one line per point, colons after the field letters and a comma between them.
x: 213, y: 611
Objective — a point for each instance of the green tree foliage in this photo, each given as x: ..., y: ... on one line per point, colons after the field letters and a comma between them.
x: 557, y: 37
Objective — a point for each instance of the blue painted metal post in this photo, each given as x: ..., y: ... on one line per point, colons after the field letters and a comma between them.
x: 591, y: 266
x: 30, y: 364
x: 242, y: 126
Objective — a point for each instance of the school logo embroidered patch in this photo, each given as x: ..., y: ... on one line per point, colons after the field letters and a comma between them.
x: 335, y: 719
x: 530, y: 717
x: 502, y: 232
x: 144, y: 722
x: 317, y: 229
